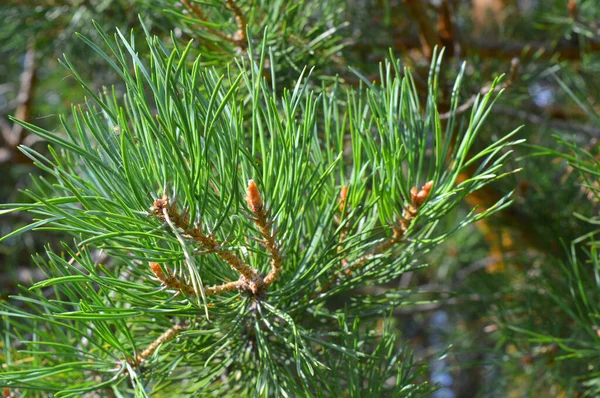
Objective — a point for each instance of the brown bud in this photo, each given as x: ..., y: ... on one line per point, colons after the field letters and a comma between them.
x: 572, y: 9
x: 253, y: 197
x: 413, y: 194
x: 419, y: 197
x: 343, y: 197
x: 155, y: 267
x: 159, y: 205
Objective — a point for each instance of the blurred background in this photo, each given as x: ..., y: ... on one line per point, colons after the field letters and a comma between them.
x: 498, y: 296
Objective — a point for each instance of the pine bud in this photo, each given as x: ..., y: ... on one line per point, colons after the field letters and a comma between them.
x: 155, y: 267
x: 159, y: 205
x: 419, y: 197
x: 343, y: 197
x: 253, y: 197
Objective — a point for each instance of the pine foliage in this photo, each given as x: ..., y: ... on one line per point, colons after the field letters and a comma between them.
x: 216, y: 215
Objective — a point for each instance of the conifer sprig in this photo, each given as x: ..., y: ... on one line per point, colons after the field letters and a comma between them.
x: 418, y: 197
x: 208, y: 244
x: 260, y: 218
x: 297, y: 32
x: 188, y: 132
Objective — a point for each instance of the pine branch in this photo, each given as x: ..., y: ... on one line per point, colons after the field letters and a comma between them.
x: 239, y: 39
x: 418, y: 197
x: 428, y: 35
x: 168, y: 335
x: 256, y: 205
x: 207, y: 242
x: 240, y: 36
x: 170, y: 281
x: 297, y: 152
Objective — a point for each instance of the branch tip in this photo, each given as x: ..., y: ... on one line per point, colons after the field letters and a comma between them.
x: 418, y: 197
x: 253, y: 197
x: 256, y: 205
x: 343, y: 198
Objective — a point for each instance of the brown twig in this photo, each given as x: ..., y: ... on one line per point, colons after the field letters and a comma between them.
x: 169, y: 335
x: 171, y: 281
x: 257, y: 206
x: 239, y: 39
x: 397, y: 235
x: 539, y: 50
x: 409, y: 213
x: 538, y: 120
x: 361, y: 261
x: 344, y: 231
x: 446, y: 28
x: 417, y: 197
x: 13, y: 136
x: 25, y: 96
x: 483, y: 48
x: 429, y: 37
x: 207, y: 242
x: 240, y: 36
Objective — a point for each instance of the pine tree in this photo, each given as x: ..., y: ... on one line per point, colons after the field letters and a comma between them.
x: 261, y: 198
x: 227, y: 215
